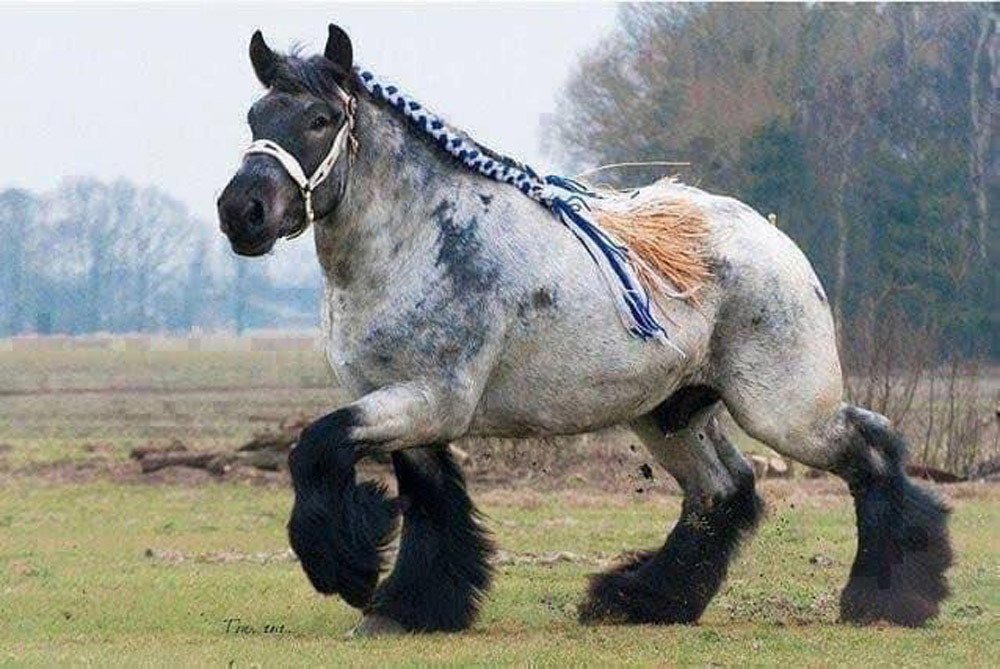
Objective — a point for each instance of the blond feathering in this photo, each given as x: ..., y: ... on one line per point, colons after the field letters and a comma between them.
x: 666, y: 234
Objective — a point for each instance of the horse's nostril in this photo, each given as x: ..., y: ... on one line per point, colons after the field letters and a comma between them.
x: 254, y: 213
x: 242, y: 216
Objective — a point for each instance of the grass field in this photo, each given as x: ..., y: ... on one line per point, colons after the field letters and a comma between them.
x: 104, y: 568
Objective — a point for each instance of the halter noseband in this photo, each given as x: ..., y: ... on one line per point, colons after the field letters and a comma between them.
x: 294, y: 169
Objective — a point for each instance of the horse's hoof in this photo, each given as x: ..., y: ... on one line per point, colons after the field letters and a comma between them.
x: 376, y: 625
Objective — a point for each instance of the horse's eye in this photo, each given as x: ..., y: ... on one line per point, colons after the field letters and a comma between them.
x: 319, y: 123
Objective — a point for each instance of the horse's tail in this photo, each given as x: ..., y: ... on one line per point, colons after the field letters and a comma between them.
x: 338, y: 529
x: 903, y: 544
x: 666, y: 234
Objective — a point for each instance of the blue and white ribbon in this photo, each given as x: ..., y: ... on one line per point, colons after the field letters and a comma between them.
x: 567, y: 199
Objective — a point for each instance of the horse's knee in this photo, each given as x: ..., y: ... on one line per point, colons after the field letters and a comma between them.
x: 338, y: 528
x: 403, y: 416
x: 699, y: 456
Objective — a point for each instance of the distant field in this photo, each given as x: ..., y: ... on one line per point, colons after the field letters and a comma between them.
x: 97, y: 566
x: 56, y: 403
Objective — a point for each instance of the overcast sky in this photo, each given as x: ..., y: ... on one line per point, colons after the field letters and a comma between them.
x: 159, y: 93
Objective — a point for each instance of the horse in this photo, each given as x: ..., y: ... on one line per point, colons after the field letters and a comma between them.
x: 455, y: 305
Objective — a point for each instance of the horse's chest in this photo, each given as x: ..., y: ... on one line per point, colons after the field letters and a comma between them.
x: 350, y: 359
x: 337, y: 355
x: 420, y: 336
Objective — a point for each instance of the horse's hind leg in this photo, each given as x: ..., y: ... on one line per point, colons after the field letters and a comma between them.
x: 903, y: 551
x: 675, y: 583
x: 442, y: 570
x: 903, y: 546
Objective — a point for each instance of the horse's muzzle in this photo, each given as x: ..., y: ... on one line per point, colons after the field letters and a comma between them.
x: 244, y: 219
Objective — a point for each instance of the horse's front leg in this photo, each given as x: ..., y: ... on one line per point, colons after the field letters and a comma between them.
x: 442, y: 571
x: 339, y: 529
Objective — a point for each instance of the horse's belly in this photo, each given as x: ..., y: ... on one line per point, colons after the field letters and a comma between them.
x: 533, y: 407
x: 585, y: 380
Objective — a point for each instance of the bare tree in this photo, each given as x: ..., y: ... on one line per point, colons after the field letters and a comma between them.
x: 984, y: 105
x: 19, y: 213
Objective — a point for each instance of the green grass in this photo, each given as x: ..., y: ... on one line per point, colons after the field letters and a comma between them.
x: 76, y: 586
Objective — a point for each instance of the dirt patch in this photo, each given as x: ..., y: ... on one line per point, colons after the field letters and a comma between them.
x: 780, y: 610
x: 171, y: 556
x: 607, y: 460
x: 971, y: 490
x: 89, y: 470
x: 76, y: 470
x: 526, y: 473
x: 616, y: 489
x: 610, y: 460
x: 500, y: 558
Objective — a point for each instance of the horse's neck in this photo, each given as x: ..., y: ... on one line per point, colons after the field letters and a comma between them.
x: 395, y: 182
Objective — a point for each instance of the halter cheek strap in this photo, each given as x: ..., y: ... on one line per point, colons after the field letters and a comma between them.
x: 294, y: 169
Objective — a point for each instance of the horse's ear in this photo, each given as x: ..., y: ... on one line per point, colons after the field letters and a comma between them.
x: 265, y: 61
x: 338, y: 48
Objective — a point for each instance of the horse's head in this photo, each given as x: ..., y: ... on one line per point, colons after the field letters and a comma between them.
x: 295, y: 170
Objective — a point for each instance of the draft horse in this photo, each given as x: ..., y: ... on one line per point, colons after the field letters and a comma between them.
x: 456, y: 305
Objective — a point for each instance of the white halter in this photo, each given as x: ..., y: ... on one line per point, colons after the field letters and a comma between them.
x: 294, y: 169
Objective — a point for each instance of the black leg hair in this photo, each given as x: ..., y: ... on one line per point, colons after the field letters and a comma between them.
x: 903, y: 546
x: 676, y: 583
x: 338, y: 528
x: 442, y: 571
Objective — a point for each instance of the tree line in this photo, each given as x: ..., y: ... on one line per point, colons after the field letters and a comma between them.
x: 93, y: 256
x: 868, y: 130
